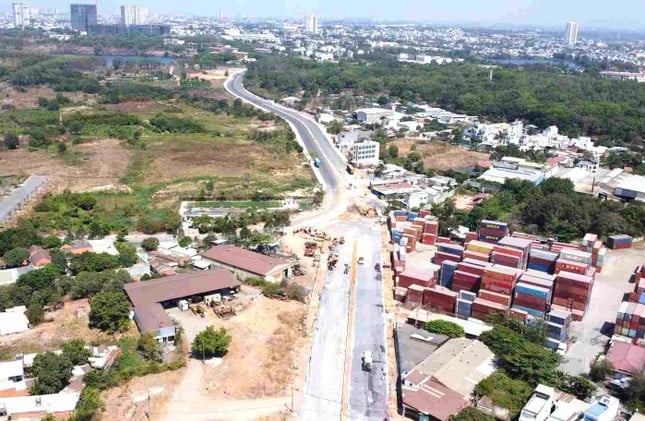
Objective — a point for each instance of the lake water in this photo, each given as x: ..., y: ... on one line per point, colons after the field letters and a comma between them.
x: 525, y: 61
x: 109, y: 59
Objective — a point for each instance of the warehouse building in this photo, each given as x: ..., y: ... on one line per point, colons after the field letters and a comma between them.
x: 248, y: 264
x: 373, y: 115
x: 151, y: 298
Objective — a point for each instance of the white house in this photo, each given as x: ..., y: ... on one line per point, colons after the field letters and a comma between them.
x: 13, y: 321
x: 373, y: 115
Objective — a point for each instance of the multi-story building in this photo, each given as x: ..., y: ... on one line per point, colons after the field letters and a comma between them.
x: 365, y: 154
x: 571, y: 34
x: 82, y: 16
x: 21, y: 15
x: 132, y: 14
x: 311, y: 24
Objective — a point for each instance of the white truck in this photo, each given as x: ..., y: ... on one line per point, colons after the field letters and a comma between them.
x: 367, y: 360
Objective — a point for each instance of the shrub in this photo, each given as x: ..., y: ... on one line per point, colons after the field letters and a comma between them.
x: 211, y: 343
x: 150, y: 244
x: 16, y: 257
x: 444, y: 327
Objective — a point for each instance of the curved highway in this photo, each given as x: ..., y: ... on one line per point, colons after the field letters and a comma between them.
x: 316, y: 142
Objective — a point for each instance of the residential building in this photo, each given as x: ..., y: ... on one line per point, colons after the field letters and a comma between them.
x: 131, y: 29
x: 61, y: 405
x: 638, y: 77
x: 441, y: 385
x: 21, y: 14
x: 248, y: 264
x: 150, y: 299
x: 539, y: 405
x: 605, y: 409
x: 346, y: 139
x: 132, y: 14
x: 82, y: 16
x: 10, y: 276
x: 12, y: 378
x: 311, y: 24
x: 571, y: 33
x: 39, y: 257
x: 626, y: 358
x: 365, y: 154
x: 77, y: 247
x: 373, y: 115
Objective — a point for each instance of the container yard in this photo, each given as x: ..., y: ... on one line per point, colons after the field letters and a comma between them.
x: 515, y: 274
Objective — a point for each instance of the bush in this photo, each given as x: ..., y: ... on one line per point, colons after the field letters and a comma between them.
x: 505, y: 392
x: 444, y: 327
x: 11, y: 141
x: 93, y: 262
x: 75, y: 351
x: 35, y: 313
x: 88, y: 404
x: 52, y: 373
x: 149, y: 348
x: 210, y: 343
x: 600, y: 369
x: 150, y: 244
x: 110, y: 312
x: 471, y: 414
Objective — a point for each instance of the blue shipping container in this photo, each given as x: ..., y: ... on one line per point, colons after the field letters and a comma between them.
x: 532, y: 290
x: 455, y: 249
x: 531, y: 311
x: 412, y: 216
x: 541, y: 268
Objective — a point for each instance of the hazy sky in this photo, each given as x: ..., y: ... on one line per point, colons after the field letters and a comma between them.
x: 603, y: 13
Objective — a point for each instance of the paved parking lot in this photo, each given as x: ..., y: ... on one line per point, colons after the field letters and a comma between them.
x: 593, y: 333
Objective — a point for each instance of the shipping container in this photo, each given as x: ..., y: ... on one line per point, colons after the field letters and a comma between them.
x: 619, y: 241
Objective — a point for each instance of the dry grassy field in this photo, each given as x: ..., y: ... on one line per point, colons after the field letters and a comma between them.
x: 440, y: 155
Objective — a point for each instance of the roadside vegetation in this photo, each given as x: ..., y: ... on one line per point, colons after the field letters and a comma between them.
x: 444, y: 327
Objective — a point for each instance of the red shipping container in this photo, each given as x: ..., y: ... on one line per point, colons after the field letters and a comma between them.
x: 423, y: 213
x: 431, y: 227
x: 495, y: 297
x: 441, y: 256
x: 429, y: 239
x: 443, y: 240
x: 471, y: 268
x: 508, y: 250
x: 569, y: 266
x: 470, y: 236
x: 440, y: 297
x: 415, y: 294
x: 476, y: 255
x: 409, y: 277
x: 419, y: 221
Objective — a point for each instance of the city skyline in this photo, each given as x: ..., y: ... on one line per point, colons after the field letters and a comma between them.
x: 620, y: 14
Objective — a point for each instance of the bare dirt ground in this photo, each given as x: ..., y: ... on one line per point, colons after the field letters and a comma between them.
x: 28, y: 97
x: 150, y: 107
x: 440, y: 155
x: 98, y: 165
x: 216, y: 76
x: 68, y: 323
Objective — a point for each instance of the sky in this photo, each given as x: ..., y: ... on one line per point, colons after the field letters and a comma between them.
x: 619, y: 14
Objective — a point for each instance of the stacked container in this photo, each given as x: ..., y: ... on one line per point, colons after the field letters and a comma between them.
x: 522, y: 245
x: 482, y: 308
x: 412, y: 216
x: 589, y: 241
x: 465, y: 281
x: 448, y: 268
x: 415, y: 294
x: 440, y: 298
x: 455, y: 249
x: 573, y: 292
x: 400, y: 294
x: 425, y: 279
x: 430, y: 231
x: 621, y: 241
x: 576, y: 256
x: 495, y: 297
x: 478, y: 250
x: 541, y: 260
x: 570, y: 266
x: 533, y: 299
x: 500, y: 279
x: 471, y: 236
x: 440, y: 257
x: 465, y: 304
x: 630, y: 320
x: 598, y: 253
x: 492, y: 231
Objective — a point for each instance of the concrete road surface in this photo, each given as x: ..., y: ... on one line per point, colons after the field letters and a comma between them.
x: 368, y: 389
x: 324, y: 384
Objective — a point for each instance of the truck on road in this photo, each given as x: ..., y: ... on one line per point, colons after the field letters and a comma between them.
x: 367, y: 360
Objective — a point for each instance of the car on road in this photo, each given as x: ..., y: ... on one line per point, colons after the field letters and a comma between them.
x: 377, y: 267
x: 361, y: 260
x: 367, y: 360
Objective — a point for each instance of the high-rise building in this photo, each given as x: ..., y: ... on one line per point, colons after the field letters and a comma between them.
x: 82, y: 16
x: 311, y: 24
x: 571, y: 34
x: 21, y: 15
x: 132, y: 14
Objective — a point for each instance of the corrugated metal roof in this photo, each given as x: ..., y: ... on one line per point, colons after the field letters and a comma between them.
x: 245, y: 260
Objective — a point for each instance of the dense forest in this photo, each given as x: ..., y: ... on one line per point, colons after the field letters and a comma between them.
x: 579, y: 104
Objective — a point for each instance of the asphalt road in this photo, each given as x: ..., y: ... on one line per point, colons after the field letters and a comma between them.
x: 312, y: 136
x: 323, y: 391
x: 16, y: 199
x: 368, y: 389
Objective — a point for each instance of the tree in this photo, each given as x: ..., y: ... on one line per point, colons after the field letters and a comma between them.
x: 35, y: 313
x: 600, y: 369
x: 508, y: 393
x: 88, y: 404
x: 11, y: 141
x: 210, y: 343
x: 52, y: 373
x: 75, y: 351
x: 393, y: 151
x: 62, y: 148
x: 16, y: 257
x: 444, y: 327
x: 93, y: 262
x: 471, y: 414
x: 127, y: 254
x: 149, y: 348
x: 335, y: 127
x: 110, y: 311
x: 150, y: 244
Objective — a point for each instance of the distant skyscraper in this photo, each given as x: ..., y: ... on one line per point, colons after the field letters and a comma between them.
x: 132, y: 14
x: 571, y: 34
x: 20, y: 15
x: 82, y: 16
x: 311, y: 24
x: 220, y: 15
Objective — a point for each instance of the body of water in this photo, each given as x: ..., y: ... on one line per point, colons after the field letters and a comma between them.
x: 525, y: 61
x: 109, y: 59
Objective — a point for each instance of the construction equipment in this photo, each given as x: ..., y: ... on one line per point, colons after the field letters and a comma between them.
x: 367, y: 360
x: 332, y: 260
x: 197, y: 309
x: 224, y: 310
x: 299, y: 271
x: 310, y: 248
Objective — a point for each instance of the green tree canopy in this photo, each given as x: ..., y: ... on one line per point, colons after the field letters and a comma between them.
x: 444, y: 327
x: 16, y: 257
x: 52, y: 373
x: 110, y: 311
x: 211, y: 343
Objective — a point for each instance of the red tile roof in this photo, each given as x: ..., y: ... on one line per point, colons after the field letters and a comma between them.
x: 38, y: 256
x: 626, y: 357
x: 245, y: 260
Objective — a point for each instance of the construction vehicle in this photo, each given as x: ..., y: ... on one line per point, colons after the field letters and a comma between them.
x: 224, y: 310
x: 367, y: 360
x: 299, y: 271
x: 332, y: 260
x: 310, y: 248
x: 197, y: 309
x: 351, y: 169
